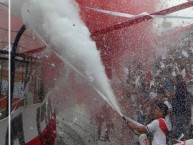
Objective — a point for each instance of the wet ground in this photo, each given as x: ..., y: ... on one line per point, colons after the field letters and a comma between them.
x: 74, y: 128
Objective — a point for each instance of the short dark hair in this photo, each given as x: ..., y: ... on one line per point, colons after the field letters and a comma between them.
x: 179, y: 77
x: 160, y: 90
x: 163, y: 107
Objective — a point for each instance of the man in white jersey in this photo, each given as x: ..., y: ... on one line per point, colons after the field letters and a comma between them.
x: 168, y: 116
x: 157, y: 127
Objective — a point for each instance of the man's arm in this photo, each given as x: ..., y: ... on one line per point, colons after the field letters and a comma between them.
x: 140, y: 129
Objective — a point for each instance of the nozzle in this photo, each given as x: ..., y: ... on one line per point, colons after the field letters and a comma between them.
x: 124, y: 118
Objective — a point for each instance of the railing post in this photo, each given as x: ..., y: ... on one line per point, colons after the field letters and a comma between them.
x: 12, y: 67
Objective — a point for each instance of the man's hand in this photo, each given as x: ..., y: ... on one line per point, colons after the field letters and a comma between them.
x: 124, y: 118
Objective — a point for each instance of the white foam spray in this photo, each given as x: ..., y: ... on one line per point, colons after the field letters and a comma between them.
x: 58, y: 23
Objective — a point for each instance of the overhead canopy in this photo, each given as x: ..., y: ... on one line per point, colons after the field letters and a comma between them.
x: 128, y: 31
x: 122, y: 29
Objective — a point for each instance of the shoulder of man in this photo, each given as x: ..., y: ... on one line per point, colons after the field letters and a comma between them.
x: 151, y: 127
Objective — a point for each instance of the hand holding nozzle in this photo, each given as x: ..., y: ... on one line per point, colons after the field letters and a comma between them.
x: 125, y: 119
x: 129, y: 124
x: 129, y: 120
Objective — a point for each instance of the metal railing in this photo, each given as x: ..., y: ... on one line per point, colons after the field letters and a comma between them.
x: 26, y: 71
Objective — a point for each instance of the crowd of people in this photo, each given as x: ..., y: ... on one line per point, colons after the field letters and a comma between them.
x: 169, y: 81
x: 164, y: 90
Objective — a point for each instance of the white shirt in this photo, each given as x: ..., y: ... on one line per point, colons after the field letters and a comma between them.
x: 159, y: 137
x: 168, y: 122
x: 191, y: 115
x: 167, y: 118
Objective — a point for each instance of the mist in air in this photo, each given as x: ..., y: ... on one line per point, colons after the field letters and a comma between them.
x: 58, y: 24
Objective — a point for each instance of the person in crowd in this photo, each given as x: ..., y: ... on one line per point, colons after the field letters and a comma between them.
x: 157, y: 127
x: 179, y: 106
